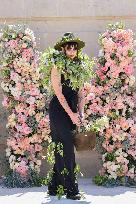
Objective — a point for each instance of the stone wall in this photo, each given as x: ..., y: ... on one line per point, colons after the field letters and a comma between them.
x: 50, y: 19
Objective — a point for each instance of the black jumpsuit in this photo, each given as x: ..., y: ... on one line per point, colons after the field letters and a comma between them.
x: 61, y: 132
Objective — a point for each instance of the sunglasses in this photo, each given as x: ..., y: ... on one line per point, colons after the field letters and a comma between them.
x: 71, y: 48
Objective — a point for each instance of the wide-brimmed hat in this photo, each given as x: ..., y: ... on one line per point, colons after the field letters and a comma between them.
x: 69, y: 37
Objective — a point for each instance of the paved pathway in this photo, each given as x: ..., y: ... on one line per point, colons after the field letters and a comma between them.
x: 93, y: 195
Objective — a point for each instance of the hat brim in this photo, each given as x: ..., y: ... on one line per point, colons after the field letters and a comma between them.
x: 59, y: 45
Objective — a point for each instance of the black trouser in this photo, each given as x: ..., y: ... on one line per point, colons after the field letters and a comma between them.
x: 61, y: 132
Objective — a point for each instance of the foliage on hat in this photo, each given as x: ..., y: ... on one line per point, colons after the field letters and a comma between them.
x: 69, y: 37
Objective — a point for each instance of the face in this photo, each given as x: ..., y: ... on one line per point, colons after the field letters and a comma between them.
x: 71, y: 50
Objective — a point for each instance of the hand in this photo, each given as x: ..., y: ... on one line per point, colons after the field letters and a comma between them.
x: 75, y: 117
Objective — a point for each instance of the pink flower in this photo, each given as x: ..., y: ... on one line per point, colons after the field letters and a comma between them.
x: 118, y: 145
x: 21, y: 118
x: 132, y: 152
x: 24, y: 143
x: 98, y: 90
x: 5, y: 101
x: 35, y: 138
x: 38, y: 147
x: 25, y: 129
x: 31, y: 100
x: 12, y: 142
x: 24, y: 45
x: 119, y: 103
x: 22, y: 169
x: 108, y: 133
x: 123, y: 123
x: 110, y: 148
x: 13, y: 75
x: 115, y: 74
x: 106, y: 87
x: 27, y: 54
x: 90, y: 96
x: 109, y: 45
x: 21, y: 108
x: 34, y: 91
x: 129, y: 69
x: 12, y: 44
x: 107, y: 146
x: 19, y: 86
x: 104, y: 69
x: 133, y: 129
x: 120, y: 50
x: 43, y: 122
x: 123, y: 63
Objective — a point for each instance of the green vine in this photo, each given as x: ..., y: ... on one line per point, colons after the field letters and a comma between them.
x: 60, y: 191
x: 50, y: 153
x: 78, y: 71
x: 60, y: 149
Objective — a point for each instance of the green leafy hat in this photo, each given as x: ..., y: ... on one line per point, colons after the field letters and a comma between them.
x: 69, y: 37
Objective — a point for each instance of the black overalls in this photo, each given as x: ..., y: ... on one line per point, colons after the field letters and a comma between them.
x: 61, y: 132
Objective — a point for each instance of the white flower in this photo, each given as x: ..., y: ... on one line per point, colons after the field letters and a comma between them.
x: 117, y: 112
x: 124, y: 111
x: 38, y: 162
x: 30, y: 33
x: 30, y: 100
x: 113, y: 175
x: 16, y: 164
x: 17, y: 78
x: 118, y: 152
x: 130, y: 109
x: 31, y: 164
x: 5, y: 86
x: 1, y: 34
x: 12, y: 165
x: 104, y: 121
x: 131, y: 104
x: 103, y: 156
x: 101, y: 53
x: 8, y: 152
x: 117, y: 126
x: 132, y: 170
x: 23, y: 80
x: 131, y: 80
x: 108, y: 99
x: 29, y: 81
x: 130, y: 122
x: 122, y: 136
x: 14, y: 91
x: 12, y: 158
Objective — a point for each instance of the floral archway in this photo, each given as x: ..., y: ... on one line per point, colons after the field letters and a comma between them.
x: 111, y: 106
x: 26, y: 102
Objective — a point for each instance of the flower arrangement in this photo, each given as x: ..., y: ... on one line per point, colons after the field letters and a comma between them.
x: 26, y: 102
x: 111, y: 105
x: 109, y: 110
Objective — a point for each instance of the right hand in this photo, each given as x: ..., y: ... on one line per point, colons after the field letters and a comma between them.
x: 75, y: 117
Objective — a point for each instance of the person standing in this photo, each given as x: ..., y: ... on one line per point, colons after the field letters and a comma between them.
x: 66, y: 111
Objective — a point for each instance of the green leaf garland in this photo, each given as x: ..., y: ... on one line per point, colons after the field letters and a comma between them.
x: 78, y: 71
